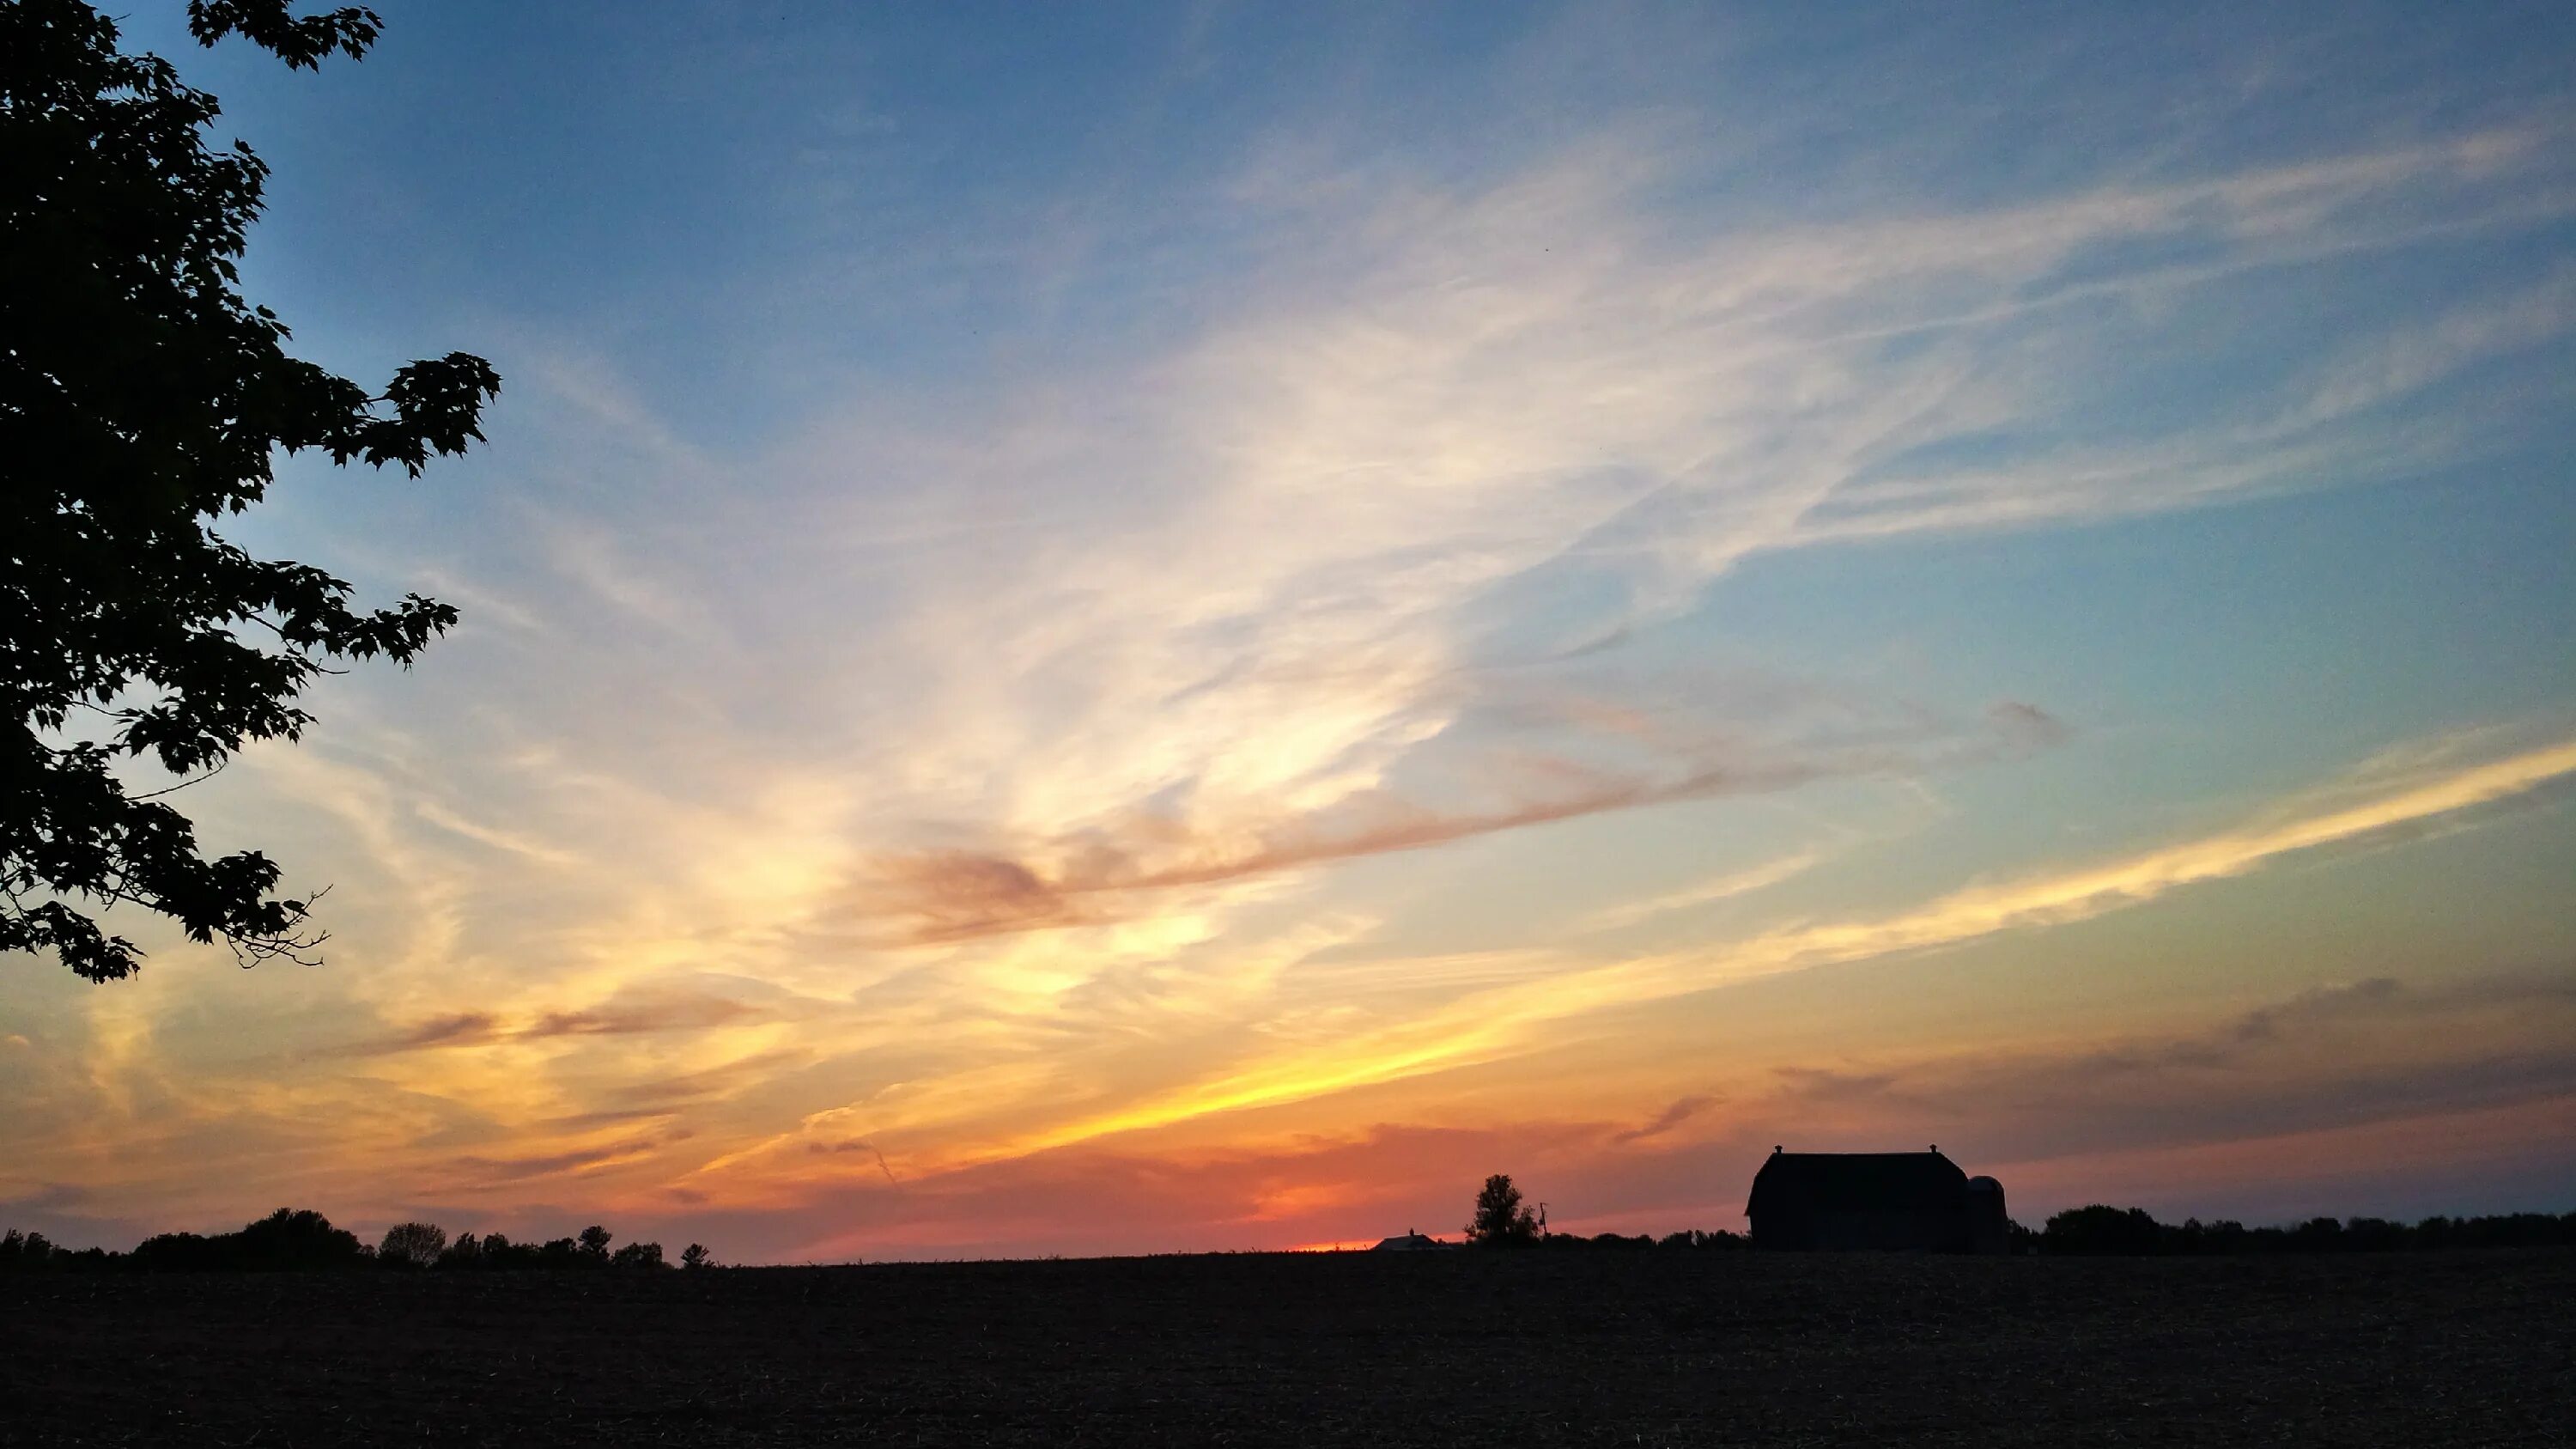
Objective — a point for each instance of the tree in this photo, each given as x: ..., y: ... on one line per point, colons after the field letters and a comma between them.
x: 1501, y: 1221
x: 29, y: 1250
x: 412, y: 1245
x: 638, y: 1255
x: 2104, y: 1230
x: 594, y: 1242
x: 142, y: 398
x: 695, y: 1255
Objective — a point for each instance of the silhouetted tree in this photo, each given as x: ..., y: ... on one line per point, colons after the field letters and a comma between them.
x: 638, y: 1255
x: 284, y: 1240
x: 594, y: 1242
x: 26, y: 1250
x: 141, y: 397
x: 465, y: 1252
x: 1501, y: 1221
x: 2098, y: 1229
x: 695, y: 1255
x: 412, y: 1245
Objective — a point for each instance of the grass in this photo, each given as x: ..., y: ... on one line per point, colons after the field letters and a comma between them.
x: 1601, y: 1348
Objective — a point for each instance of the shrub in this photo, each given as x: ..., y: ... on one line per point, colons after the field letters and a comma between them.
x: 412, y: 1245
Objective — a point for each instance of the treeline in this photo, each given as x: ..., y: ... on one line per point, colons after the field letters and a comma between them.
x: 292, y: 1241
x: 2100, y: 1231
x: 2131, y: 1232
x: 1689, y: 1238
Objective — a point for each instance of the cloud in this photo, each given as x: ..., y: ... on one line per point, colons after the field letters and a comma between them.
x: 1719, y: 888
x: 2265, y: 1023
x: 464, y: 1028
x: 857, y: 1145
x: 1824, y: 1084
x: 955, y: 895
x: 683, y: 1087
x: 493, y: 1170
x: 625, y: 1014
x: 638, y: 1013
x: 2323, y: 1059
x: 1489, y: 1025
x: 1681, y: 1110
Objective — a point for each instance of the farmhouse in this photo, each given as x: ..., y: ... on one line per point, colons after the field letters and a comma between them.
x: 1888, y: 1201
x: 1411, y: 1242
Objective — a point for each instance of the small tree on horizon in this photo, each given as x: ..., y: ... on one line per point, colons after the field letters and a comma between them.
x: 696, y: 1256
x: 412, y: 1245
x: 1502, y: 1220
x: 638, y: 1255
x: 594, y: 1242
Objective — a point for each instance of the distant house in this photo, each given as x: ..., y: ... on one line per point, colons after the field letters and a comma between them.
x: 1411, y: 1242
x: 1887, y: 1201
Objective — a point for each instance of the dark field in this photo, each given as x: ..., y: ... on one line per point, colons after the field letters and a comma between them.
x: 1577, y: 1348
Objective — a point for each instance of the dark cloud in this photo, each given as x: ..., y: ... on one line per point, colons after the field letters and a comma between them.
x: 2319, y: 1060
x: 579, y: 1120
x: 1666, y: 1120
x: 2027, y: 726
x: 465, y: 1028
x: 519, y: 1169
x: 856, y: 1144
x: 621, y: 1014
x: 1823, y: 1084
x: 2265, y: 1023
x: 957, y: 894
x: 638, y: 1014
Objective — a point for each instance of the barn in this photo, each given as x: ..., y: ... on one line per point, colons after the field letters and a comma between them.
x: 1411, y: 1242
x: 1885, y: 1201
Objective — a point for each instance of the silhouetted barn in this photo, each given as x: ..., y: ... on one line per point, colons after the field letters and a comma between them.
x: 1411, y: 1242
x: 1888, y: 1201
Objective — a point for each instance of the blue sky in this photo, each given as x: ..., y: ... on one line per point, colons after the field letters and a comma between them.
x: 1248, y: 613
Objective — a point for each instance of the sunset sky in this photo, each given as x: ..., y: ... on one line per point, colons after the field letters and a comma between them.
x: 1098, y: 629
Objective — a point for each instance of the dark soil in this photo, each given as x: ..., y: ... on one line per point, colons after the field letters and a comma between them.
x: 1654, y: 1347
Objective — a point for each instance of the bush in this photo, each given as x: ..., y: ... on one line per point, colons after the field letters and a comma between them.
x: 638, y: 1255
x: 285, y: 1240
x: 26, y: 1250
x: 2102, y: 1230
x: 412, y: 1245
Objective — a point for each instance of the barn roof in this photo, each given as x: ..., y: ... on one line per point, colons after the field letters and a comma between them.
x: 1829, y: 1181
x: 1411, y: 1242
